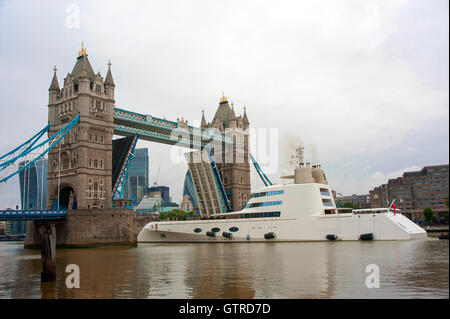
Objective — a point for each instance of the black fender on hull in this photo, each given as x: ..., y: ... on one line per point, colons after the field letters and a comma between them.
x: 367, y: 236
x: 269, y: 235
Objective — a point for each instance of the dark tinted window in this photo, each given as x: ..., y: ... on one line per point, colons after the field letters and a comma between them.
x: 215, y: 229
x: 234, y: 229
x: 197, y: 230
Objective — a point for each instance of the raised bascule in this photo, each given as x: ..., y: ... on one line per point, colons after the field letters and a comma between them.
x: 87, y: 168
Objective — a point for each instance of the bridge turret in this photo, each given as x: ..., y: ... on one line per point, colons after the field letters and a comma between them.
x: 54, y: 90
x: 232, y: 121
x: 203, y: 124
x: 245, y: 118
x: 109, y: 83
x: 86, y: 153
x: 233, y: 165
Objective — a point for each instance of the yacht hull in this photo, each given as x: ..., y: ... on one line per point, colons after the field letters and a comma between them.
x: 344, y: 227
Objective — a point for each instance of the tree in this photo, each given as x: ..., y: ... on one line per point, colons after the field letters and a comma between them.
x: 428, y: 214
x: 347, y: 205
x: 445, y: 214
x: 175, y: 214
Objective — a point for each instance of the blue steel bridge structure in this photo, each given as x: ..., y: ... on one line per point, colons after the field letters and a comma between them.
x: 126, y: 123
x: 64, y: 117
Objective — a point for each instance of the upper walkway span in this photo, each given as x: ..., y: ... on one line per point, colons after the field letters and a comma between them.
x: 154, y: 129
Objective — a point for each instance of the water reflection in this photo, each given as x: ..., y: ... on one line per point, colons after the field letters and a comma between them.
x: 408, y: 269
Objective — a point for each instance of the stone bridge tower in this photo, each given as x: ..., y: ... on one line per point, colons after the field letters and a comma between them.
x: 82, y: 180
x: 233, y: 163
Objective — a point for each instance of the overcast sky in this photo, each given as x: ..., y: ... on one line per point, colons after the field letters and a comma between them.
x: 362, y: 84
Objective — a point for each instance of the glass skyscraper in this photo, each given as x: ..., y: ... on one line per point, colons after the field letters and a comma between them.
x: 188, y: 188
x: 33, y: 185
x: 33, y: 192
x: 137, y: 179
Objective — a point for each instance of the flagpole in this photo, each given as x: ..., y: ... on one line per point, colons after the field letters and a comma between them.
x: 389, y: 209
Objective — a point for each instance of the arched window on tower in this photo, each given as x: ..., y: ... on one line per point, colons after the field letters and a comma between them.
x: 65, y: 161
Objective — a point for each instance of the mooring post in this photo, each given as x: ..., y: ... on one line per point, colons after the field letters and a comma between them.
x: 48, y: 252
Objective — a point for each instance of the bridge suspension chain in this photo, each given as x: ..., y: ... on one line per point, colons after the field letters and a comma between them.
x: 26, y: 154
x: 4, y: 159
x: 260, y: 172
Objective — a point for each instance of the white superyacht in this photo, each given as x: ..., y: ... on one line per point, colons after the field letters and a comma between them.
x: 302, y: 211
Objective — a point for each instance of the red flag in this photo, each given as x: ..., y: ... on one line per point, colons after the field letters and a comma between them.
x: 393, y: 207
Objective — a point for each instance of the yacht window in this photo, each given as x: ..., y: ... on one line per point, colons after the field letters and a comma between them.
x: 261, y: 215
x: 327, y: 202
x: 279, y: 202
x: 270, y: 193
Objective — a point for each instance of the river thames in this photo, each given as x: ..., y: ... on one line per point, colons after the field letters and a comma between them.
x: 408, y: 269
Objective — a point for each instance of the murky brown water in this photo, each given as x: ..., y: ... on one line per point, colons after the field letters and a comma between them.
x: 410, y: 269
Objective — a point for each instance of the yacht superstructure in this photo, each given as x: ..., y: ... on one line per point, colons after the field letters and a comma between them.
x: 302, y: 211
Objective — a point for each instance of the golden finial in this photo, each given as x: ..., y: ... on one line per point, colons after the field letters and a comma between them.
x: 223, y: 98
x: 82, y: 51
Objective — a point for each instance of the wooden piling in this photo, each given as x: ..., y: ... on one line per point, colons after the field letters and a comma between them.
x: 48, y: 251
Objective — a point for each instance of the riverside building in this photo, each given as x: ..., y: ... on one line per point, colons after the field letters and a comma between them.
x: 415, y: 191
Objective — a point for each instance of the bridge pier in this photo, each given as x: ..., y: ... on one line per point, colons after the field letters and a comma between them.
x: 88, y: 228
x: 47, y: 234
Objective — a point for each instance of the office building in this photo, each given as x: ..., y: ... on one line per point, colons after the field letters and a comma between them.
x: 164, y: 192
x: 362, y: 201
x: 137, y: 179
x: 186, y: 204
x: 33, y: 192
x: 415, y: 191
x: 33, y: 185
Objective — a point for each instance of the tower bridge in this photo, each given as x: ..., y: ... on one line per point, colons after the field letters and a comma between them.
x: 87, y: 167
x: 159, y: 130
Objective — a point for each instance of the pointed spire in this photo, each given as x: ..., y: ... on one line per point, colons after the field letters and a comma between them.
x: 232, y: 114
x: 82, y: 66
x: 109, y: 79
x: 245, y: 119
x: 203, y: 122
x: 84, y: 69
x: 54, y: 86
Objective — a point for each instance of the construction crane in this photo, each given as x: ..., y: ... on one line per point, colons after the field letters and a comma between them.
x: 155, y: 183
